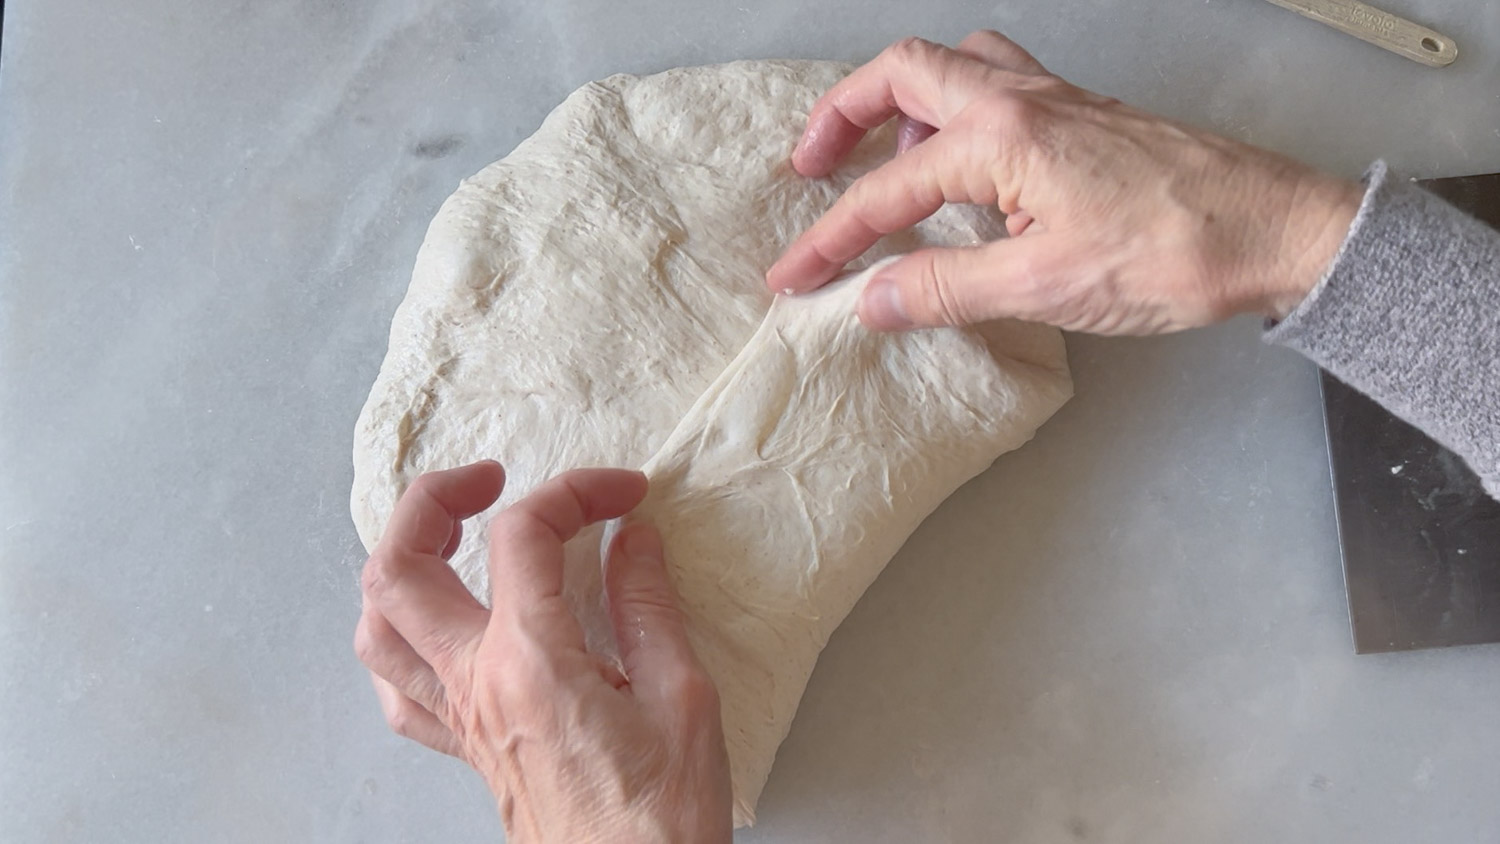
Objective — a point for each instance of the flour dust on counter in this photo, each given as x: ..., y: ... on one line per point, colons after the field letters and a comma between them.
x: 597, y: 298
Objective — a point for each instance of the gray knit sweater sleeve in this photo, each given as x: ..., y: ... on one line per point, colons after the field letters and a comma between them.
x: 1409, y: 314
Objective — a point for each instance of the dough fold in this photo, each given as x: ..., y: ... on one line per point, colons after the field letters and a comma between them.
x: 800, y: 472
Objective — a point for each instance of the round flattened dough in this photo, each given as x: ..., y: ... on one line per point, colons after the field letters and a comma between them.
x: 572, y: 301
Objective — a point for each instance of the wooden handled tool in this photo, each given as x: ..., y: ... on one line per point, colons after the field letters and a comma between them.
x: 1382, y: 29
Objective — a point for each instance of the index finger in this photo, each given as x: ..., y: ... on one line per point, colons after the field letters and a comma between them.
x: 900, y: 193
x: 406, y: 582
x: 431, y: 509
x: 526, y: 539
x: 927, y: 82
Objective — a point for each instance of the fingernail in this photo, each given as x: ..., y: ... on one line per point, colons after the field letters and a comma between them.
x: 880, y: 305
x: 771, y: 274
x: 643, y: 543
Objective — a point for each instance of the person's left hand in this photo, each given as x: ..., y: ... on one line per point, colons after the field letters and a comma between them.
x: 574, y: 747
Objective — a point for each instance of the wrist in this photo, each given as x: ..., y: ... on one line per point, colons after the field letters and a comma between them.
x: 1322, y: 212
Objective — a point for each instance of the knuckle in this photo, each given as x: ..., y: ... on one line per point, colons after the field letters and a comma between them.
x: 530, y: 671
x: 378, y: 575
x: 653, y: 603
x: 691, y: 689
x: 422, y: 484
x: 914, y: 51
x: 935, y: 294
x: 1028, y: 286
x: 366, y: 647
x: 520, y: 528
x: 818, y: 240
x: 939, y: 63
x: 860, y: 211
x: 458, y: 698
x: 402, y: 717
x: 1008, y: 110
x: 861, y: 192
x: 911, y: 46
x: 979, y: 37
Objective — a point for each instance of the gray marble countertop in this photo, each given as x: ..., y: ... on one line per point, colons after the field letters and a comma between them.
x: 1133, y: 629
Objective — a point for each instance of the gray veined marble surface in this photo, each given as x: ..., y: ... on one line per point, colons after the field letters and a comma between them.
x: 1131, y: 630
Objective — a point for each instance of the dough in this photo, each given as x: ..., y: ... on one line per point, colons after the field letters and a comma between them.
x: 596, y: 298
x: 801, y: 471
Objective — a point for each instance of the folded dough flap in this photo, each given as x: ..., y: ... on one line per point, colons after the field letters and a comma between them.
x: 804, y: 467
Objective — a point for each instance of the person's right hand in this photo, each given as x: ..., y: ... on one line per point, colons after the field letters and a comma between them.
x: 1122, y: 222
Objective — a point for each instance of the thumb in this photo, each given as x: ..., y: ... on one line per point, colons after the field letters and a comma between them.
x: 960, y: 286
x: 654, y: 647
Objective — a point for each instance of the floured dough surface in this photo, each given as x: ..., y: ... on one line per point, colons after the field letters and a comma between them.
x: 596, y: 298
x: 801, y: 471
